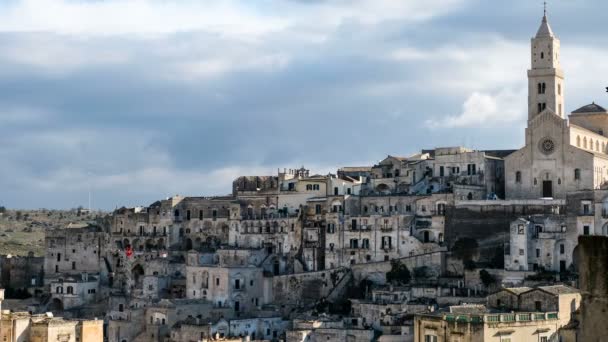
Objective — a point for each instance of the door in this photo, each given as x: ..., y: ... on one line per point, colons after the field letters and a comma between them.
x: 562, y: 266
x: 547, y: 189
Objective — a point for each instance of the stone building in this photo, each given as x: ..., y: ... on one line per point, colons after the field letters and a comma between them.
x: 327, y: 329
x: 73, y: 250
x: 22, y: 272
x: 512, y: 314
x: 467, y: 173
x: 540, y: 242
x: 240, y: 288
x: 73, y: 291
x: 23, y: 326
x: 560, y: 155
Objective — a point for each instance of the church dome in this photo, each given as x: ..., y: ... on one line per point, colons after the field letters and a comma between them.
x: 590, y: 108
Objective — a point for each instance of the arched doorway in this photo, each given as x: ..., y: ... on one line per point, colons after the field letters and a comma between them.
x: 188, y: 244
x: 56, y: 305
x: 383, y: 188
x: 426, y: 236
x: 137, y: 274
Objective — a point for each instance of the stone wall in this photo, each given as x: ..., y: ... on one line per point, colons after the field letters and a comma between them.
x: 306, y: 287
x: 592, y: 265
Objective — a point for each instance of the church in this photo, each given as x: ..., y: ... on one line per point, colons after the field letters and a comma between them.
x: 561, y: 154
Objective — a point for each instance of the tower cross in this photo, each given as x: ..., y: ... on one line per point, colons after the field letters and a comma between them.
x: 545, y: 8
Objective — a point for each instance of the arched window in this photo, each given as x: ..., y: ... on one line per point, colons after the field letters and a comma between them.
x: 540, y: 88
x: 603, y: 150
x: 542, y: 55
x: 591, y: 144
x: 518, y: 177
x: 578, y: 141
x: 70, y: 290
x: 577, y: 174
x: 585, y: 142
x: 559, y: 89
x: 535, y: 181
x: 540, y: 107
x: 544, y: 87
x: 597, y: 146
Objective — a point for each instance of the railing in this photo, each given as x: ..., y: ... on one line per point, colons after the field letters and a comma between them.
x: 501, y: 318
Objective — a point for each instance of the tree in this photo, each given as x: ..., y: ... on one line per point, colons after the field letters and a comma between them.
x: 399, y: 273
x: 464, y: 248
x: 486, y: 278
x: 2, y: 210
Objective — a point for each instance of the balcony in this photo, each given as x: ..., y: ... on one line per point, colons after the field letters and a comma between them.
x: 502, y: 317
x: 386, y: 228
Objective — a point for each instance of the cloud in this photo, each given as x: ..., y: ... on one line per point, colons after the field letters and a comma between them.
x: 144, y: 99
x: 483, y: 110
x: 226, y: 17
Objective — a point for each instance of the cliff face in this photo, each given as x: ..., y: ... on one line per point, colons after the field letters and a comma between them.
x: 592, y: 262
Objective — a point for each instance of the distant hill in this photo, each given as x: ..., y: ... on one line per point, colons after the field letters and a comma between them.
x: 22, y: 231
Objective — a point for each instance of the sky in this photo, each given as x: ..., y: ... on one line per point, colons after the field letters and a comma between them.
x: 139, y: 100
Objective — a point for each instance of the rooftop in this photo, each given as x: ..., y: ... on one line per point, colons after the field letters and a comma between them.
x: 590, y: 108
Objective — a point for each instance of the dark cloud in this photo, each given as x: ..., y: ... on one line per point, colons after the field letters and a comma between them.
x: 141, y: 118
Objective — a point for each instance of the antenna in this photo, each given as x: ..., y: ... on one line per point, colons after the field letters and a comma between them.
x: 89, y: 188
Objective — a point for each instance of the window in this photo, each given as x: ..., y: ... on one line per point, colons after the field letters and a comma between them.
x: 538, y: 252
x: 73, y: 265
x: 586, y: 230
x: 471, y: 169
x: 577, y: 174
x: 200, y: 214
x: 441, y: 171
x: 518, y: 177
x: 559, y: 89
x: 520, y: 229
x: 562, y: 249
x: 430, y: 338
x: 544, y: 339
x: 521, y: 251
x: 188, y: 215
x: 538, y: 305
x: 217, y: 281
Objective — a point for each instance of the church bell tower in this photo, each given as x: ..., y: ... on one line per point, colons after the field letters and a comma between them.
x: 545, y: 78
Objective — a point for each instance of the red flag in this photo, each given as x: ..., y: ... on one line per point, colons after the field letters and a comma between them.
x: 129, y: 251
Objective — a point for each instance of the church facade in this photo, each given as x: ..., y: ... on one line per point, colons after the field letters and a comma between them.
x: 560, y: 155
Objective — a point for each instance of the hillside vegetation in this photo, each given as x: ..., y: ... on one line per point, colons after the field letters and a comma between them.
x: 22, y: 231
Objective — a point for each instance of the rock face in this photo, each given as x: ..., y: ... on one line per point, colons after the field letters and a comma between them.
x: 593, y: 277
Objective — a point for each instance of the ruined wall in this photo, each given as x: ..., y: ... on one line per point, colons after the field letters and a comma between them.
x: 592, y: 264
x: 306, y: 287
x: 376, y: 271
